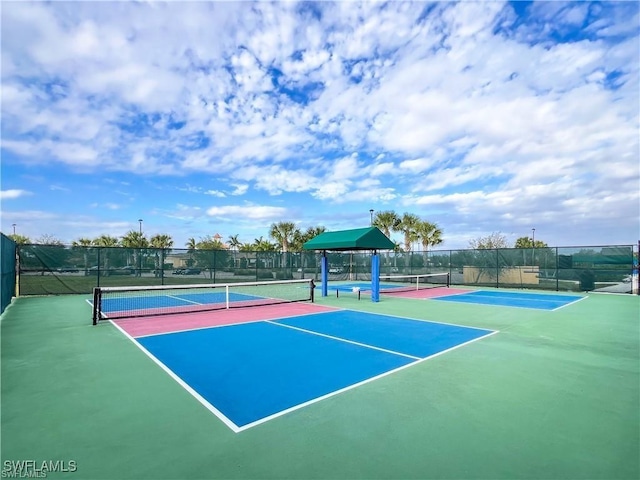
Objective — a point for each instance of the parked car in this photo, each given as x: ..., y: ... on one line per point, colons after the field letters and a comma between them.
x: 336, y: 270
x: 191, y: 271
x: 122, y: 271
x: 187, y: 271
x: 67, y: 270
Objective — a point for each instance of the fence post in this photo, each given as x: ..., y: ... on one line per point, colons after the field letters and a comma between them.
x: 497, y: 269
x: 557, y: 271
x: 98, y: 270
x: 636, y: 263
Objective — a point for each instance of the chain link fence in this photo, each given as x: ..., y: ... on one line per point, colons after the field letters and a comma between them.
x: 47, y: 269
x: 7, y: 271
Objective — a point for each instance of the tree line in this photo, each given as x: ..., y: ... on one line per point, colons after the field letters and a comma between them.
x: 287, y: 237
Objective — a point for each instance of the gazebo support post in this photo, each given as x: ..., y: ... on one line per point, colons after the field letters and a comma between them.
x: 324, y: 272
x: 375, y: 277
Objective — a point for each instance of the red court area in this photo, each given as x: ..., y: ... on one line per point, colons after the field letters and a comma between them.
x: 427, y: 293
x: 152, y: 325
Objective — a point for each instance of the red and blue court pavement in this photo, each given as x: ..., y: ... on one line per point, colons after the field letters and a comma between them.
x: 258, y: 364
x: 538, y: 301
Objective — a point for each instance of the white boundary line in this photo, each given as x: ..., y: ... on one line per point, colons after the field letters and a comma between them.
x: 181, y: 382
x: 230, y: 324
x: 522, y: 295
x: 181, y: 299
x: 570, y: 303
x: 419, y: 319
x: 311, y: 332
x: 356, y: 385
x: 237, y: 429
x: 507, y: 306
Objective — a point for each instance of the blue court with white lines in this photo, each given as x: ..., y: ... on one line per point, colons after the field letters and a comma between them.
x: 538, y: 301
x: 249, y: 373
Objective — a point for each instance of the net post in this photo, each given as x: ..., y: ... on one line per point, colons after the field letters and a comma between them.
x: 96, y: 305
x: 448, y: 279
x: 312, y: 287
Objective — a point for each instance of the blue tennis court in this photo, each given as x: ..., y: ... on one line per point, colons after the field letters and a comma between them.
x: 538, y: 301
x: 119, y: 304
x: 251, y: 372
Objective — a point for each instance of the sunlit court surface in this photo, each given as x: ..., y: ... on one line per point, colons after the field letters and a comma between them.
x: 501, y: 384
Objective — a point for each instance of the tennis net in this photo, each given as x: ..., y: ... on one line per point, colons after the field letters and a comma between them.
x: 404, y: 283
x: 143, y: 301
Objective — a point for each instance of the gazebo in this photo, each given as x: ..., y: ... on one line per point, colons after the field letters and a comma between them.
x: 370, y: 238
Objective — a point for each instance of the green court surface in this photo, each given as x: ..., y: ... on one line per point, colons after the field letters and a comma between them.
x: 553, y: 395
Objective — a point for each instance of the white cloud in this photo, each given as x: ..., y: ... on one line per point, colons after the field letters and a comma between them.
x: 363, y: 103
x: 215, y: 193
x: 240, y: 189
x: 241, y: 213
x: 13, y: 193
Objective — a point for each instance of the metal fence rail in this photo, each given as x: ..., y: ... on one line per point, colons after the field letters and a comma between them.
x: 7, y: 271
x: 47, y: 269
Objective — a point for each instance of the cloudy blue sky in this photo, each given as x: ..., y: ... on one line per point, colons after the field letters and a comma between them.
x: 224, y: 117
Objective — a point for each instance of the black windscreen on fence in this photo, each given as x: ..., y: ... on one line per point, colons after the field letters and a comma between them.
x: 7, y: 271
x: 56, y: 269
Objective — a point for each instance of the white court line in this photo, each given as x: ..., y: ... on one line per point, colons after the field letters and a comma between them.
x: 419, y: 319
x: 567, y: 304
x: 355, y: 385
x: 181, y: 382
x: 342, y: 339
x: 505, y: 305
x: 182, y: 299
x: 523, y: 296
x: 236, y: 429
x: 293, y: 315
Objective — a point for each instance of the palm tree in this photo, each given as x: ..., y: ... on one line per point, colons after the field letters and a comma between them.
x: 191, y: 246
x: 262, y: 245
x: 161, y: 242
x: 428, y: 234
x: 387, y: 221
x: 136, y: 241
x: 300, y: 238
x: 235, y: 245
x: 233, y: 242
x: 105, y: 241
x: 108, y: 242
x: 408, y: 226
x: 283, y: 233
x: 84, y: 243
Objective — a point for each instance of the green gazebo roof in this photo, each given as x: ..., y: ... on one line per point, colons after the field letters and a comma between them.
x: 370, y: 238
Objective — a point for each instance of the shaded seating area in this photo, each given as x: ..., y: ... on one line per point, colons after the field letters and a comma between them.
x: 369, y: 238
